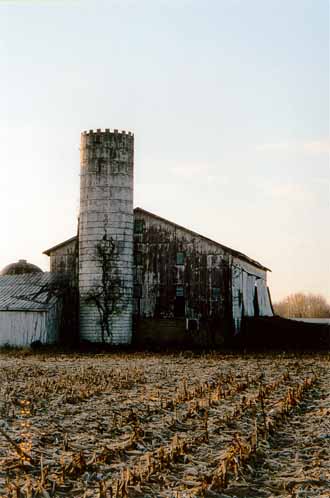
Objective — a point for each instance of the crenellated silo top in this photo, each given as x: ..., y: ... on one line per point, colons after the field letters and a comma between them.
x: 105, y: 145
x: 106, y: 131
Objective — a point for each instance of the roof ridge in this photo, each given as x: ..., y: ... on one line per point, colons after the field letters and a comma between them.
x: 234, y: 252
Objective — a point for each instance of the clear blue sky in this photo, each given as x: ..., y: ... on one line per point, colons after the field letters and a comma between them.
x: 229, y: 103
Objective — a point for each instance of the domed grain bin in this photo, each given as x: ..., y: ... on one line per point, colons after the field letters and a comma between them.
x: 20, y: 268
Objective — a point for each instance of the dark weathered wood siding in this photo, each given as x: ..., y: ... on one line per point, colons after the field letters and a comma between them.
x: 178, y: 274
x: 64, y: 257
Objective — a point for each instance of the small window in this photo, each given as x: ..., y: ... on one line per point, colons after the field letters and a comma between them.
x: 179, y: 291
x: 179, y: 302
x: 192, y: 324
x: 137, y: 292
x: 138, y: 226
x: 215, y: 293
x: 138, y: 258
x: 180, y: 257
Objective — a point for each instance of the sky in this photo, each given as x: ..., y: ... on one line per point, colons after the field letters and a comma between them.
x: 229, y: 104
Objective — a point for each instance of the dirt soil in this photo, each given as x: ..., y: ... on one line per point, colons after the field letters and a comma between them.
x: 147, y: 425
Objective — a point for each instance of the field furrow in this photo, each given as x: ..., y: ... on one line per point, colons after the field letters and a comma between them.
x: 173, y: 426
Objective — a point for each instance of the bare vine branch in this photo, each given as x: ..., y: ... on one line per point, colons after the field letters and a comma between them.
x: 107, y: 296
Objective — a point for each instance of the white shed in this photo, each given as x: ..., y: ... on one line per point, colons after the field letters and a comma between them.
x: 29, y: 309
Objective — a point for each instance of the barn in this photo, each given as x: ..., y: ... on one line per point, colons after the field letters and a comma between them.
x: 185, y: 286
x: 138, y: 276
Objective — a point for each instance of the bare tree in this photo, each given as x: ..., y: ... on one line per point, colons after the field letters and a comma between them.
x: 107, y: 296
x: 302, y: 305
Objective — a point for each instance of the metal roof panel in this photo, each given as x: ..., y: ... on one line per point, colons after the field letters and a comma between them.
x: 29, y: 292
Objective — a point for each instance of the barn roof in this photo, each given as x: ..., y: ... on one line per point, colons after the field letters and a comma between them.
x: 137, y: 210
x: 30, y: 292
x: 64, y: 243
x: 233, y: 252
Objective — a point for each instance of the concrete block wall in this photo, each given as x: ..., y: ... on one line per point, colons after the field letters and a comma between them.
x: 106, y: 206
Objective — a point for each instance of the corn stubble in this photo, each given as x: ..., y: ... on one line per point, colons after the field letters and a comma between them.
x: 157, y: 425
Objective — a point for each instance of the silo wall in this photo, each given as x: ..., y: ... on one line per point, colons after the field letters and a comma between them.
x: 106, y: 217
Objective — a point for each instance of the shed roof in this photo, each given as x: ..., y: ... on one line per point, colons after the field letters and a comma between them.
x: 30, y: 292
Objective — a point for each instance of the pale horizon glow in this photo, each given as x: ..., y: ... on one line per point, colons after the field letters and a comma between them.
x: 229, y: 104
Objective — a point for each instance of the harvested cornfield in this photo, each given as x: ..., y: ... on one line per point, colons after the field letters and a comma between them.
x: 146, y: 425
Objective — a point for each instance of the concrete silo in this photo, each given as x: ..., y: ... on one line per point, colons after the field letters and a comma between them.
x: 106, y: 221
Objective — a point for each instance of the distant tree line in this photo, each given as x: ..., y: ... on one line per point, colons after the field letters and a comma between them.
x: 302, y: 305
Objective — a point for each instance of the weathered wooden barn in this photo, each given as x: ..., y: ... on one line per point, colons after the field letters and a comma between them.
x: 186, y: 286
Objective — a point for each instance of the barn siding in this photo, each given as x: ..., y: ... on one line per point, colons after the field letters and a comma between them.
x: 203, y: 277
x: 246, y: 278
x: 21, y: 328
x: 64, y: 257
x: 265, y: 307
